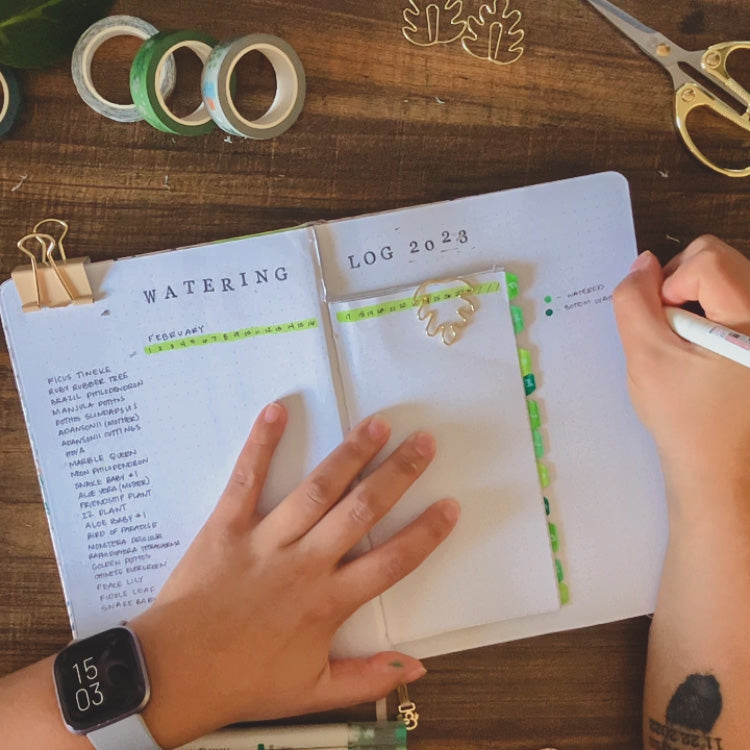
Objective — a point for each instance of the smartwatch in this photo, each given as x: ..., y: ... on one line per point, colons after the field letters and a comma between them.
x: 102, y: 686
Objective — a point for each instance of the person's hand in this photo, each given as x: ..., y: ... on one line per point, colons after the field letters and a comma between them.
x: 241, y: 630
x: 695, y: 403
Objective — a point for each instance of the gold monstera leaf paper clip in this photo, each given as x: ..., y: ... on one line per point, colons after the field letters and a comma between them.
x: 433, y: 291
x: 487, y: 30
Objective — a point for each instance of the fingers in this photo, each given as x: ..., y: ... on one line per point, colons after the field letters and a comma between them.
x: 353, y: 681
x: 369, y: 575
x: 714, y: 274
x: 240, y: 497
x: 371, y: 499
x: 639, y: 309
x: 698, y: 245
x: 323, y: 488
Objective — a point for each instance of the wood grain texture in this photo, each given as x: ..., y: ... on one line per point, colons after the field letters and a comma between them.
x: 386, y: 124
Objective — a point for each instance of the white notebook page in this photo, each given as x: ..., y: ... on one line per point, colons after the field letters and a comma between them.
x: 135, y: 447
x: 569, y: 242
x: 497, y: 562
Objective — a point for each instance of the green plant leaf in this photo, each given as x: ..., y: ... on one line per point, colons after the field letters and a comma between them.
x: 36, y: 33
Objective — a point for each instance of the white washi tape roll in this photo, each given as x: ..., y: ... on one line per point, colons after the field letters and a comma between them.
x: 83, y: 55
x: 216, y: 85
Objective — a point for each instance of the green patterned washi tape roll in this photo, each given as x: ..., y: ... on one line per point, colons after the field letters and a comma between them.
x: 216, y: 86
x: 147, y: 70
x: 83, y: 55
x: 10, y: 101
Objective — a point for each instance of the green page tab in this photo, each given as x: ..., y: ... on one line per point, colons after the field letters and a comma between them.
x: 516, y: 314
x: 524, y: 357
x: 536, y: 434
x: 534, y: 416
x: 511, y: 281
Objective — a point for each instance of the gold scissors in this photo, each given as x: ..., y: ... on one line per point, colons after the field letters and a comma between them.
x: 690, y: 94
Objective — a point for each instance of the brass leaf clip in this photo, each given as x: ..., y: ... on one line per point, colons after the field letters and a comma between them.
x: 449, y: 330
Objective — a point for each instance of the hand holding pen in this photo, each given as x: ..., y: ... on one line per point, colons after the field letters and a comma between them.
x: 694, y: 402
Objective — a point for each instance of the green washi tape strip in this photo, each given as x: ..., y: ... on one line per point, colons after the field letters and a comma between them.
x: 231, y: 336
x: 409, y: 303
x: 147, y: 69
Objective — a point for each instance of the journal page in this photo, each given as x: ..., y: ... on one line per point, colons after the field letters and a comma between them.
x: 569, y: 243
x: 442, y: 357
x: 138, y: 404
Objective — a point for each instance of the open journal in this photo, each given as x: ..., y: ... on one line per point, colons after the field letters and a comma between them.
x: 137, y: 405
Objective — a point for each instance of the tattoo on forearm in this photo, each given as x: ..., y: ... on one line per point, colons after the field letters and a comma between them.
x: 691, y: 715
x: 696, y: 704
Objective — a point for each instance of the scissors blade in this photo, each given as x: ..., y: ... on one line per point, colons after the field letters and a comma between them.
x: 646, y: 38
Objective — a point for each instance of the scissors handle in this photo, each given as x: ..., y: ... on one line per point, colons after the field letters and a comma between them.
x: 714, y: 65
x: 692, y: 95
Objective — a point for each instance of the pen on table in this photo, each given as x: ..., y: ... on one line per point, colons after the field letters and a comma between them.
x: 382, y: 735
x: 712, y: 336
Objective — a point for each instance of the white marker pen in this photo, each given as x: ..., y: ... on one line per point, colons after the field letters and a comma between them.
x: 712, y: 336
x: 385, y: 735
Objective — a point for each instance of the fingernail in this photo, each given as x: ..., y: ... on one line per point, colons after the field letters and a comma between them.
x: 272, y: 413
x: 424, y: 444
x: 378, y: 428
x: 451, y: 510
x: 642, y: 261
x: 415, y: 674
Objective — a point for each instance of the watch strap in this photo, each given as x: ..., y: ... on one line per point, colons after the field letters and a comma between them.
x: 130, y: 733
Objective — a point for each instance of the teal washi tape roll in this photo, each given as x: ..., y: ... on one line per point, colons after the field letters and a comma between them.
x: 218, y: 75
x: 10, y: 101
x: 147, y: 70
x: 83, y: 55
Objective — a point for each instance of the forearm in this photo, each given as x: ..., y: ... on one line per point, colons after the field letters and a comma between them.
x: 696, y: 404
x: 29, y: 714
x: 242, y: 628
x: 698, y: 672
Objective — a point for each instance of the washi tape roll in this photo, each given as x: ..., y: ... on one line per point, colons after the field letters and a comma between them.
x: 216, y: 85
x: 147, y: 70
x: 10, y: 101
x: 83, y: 56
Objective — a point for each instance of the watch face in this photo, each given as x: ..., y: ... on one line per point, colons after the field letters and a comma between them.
x: 100, y: 679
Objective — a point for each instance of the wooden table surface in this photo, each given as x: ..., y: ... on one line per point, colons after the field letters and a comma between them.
x: 386, y: 124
